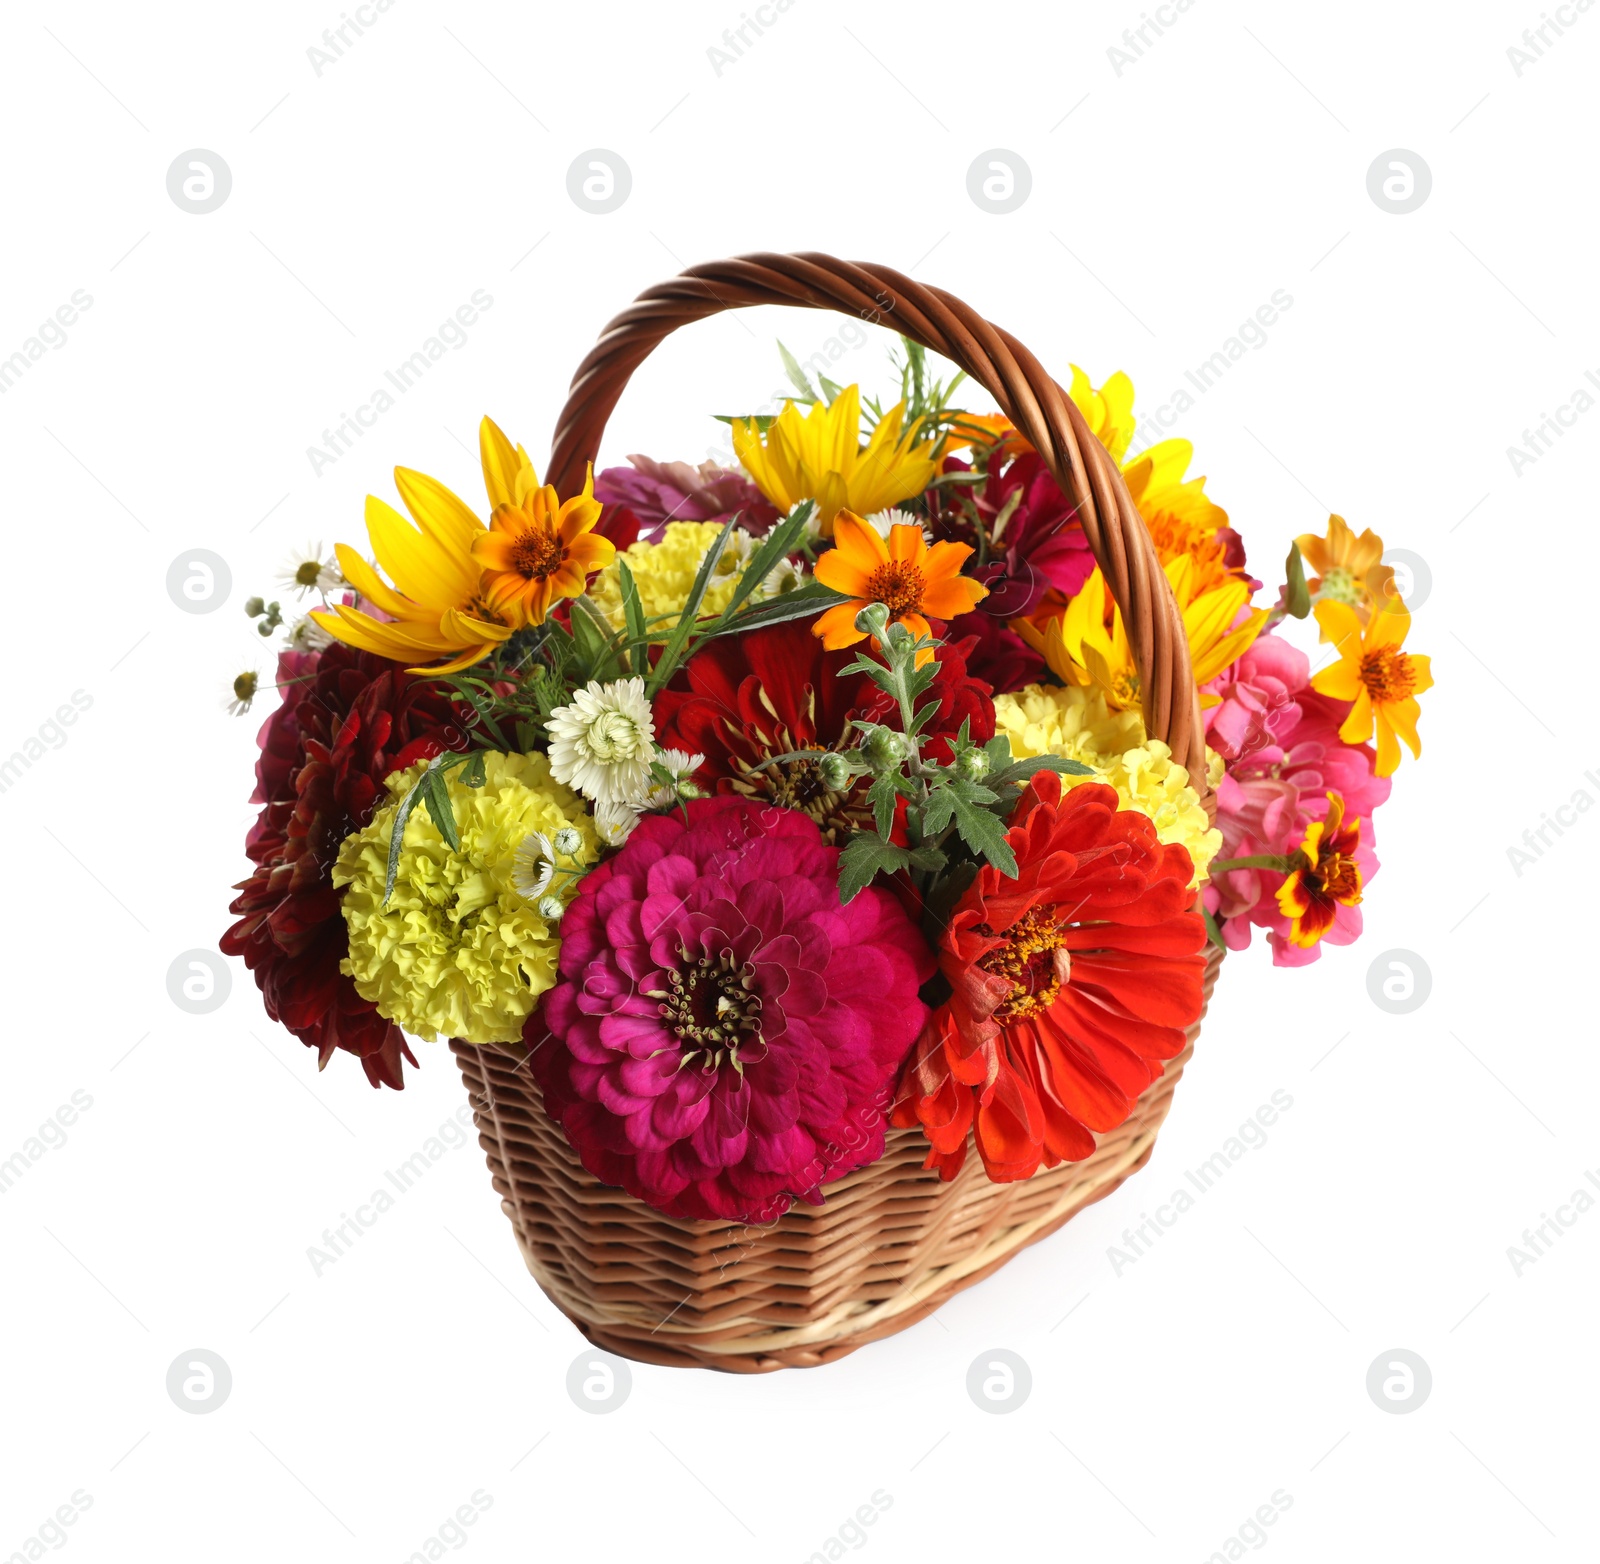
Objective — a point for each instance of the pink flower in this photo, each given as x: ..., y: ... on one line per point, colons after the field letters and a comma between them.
x: 725, y: 1035
x: 1264, y: 804
x: 659, y: 492
x: 1258, y: 698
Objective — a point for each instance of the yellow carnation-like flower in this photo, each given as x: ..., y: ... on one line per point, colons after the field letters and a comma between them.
x: 664, y: 572
x: 458, y: 951
x: 1077, y: 724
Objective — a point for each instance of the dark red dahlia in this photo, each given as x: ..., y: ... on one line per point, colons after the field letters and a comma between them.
x: 740, y: 701
x: 1035, y: 541
x: 995, y: 653
x: 348, y: 720
x: 658, y: 492
x: 725, y: 1035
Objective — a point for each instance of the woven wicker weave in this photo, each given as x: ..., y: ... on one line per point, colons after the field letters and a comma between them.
x: 891, y: 1242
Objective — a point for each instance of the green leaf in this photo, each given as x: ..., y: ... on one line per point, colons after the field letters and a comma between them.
x: 864, y: 857
x: 1297, y: 596
x: 1020, y: 770
x: 762, y: 421
x: 679, y: 638
x: 805, y: 603
x: 591, y: 639
x: 797, y: 376
x: 472, y: 774
x: 881, y: 795
x: 480, y: 707
x: 633, y: 611
x: 984, y: 834
x: 778, y: 542
x: 829, y: 389
x: 1213, y: 932
x: 437, y: 797
x: 940, y: 809
x: 422, y: 791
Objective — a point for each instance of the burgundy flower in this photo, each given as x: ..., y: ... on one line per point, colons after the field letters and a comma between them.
x: 995, y: 653
x: 659, y: 492
x: 347, y: 720
x: 1039, y: 547
x: 724, y: 1037
x: 741, y: 701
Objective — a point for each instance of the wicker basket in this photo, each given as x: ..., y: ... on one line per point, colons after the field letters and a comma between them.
x: 891, y: 1242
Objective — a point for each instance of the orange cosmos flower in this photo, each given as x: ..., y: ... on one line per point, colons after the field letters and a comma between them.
x: 1325, y: 878
x: 538, y: 548
x: 910, y: 579
x: 1381, y: 680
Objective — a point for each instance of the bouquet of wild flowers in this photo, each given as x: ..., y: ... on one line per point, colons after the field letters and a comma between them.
x: 762, y: 809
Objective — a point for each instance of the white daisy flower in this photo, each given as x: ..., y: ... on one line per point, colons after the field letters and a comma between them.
x: 242, y: 692
x: 310, y: 570
x: 306, y: 635
x: 614, y: 821
x: 682, y: 766
x: 532, y: 867
x: 603, y: 742
x: 784, y: 577
x: 881, y: 521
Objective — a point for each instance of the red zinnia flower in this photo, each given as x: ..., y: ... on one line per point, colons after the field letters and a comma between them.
x: 778, y: 690
x: 348, y: 720
x: 1070, y: 986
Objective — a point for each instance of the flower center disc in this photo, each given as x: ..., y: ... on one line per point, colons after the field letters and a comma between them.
x: 1035, y: 961
x: 710, y: 1009
x: 897, y: 585
x: 1387, y: 675
x: 536, y: 553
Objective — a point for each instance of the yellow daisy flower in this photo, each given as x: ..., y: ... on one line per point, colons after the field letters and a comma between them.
x: 820, y: 457
x: 1377, y: 676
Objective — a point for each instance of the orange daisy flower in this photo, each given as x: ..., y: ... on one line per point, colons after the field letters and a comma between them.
x: 538, y: 549
x: 1326, y: 878
x: 1382, y: 681
x: 901, y: 571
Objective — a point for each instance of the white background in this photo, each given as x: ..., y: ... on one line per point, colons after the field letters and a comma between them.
x: 1167, y: 203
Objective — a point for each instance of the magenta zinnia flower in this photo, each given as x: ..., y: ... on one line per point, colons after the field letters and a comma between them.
x: 725, y: 1036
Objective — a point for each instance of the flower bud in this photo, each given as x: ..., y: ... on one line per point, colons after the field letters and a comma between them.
x: 883, y: 749
x: 254, y: 607
x: 567, y: 841
x: 873, y: 620
x: 834, y: 770
x: 973, y: 764
x: 551, y: 908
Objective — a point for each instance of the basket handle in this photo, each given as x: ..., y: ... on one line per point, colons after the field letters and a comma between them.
x: 1034, y: 403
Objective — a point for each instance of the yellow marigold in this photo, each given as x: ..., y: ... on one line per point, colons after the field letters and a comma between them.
x: 664, y: 572
x: 458, y: 951
x: 1077, y: 724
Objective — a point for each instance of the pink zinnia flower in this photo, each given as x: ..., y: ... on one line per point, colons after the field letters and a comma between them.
x: 725, y: 1036
x: 1264, y: 804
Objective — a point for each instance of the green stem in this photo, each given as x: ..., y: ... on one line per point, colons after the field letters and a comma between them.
x: 1281, y: 863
